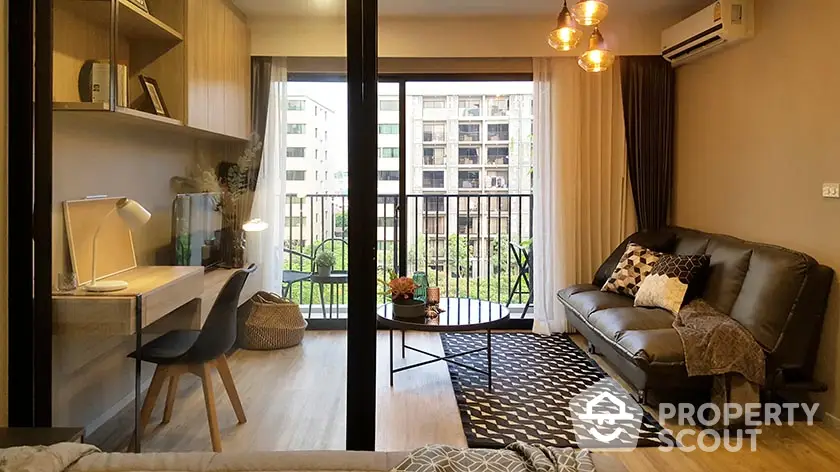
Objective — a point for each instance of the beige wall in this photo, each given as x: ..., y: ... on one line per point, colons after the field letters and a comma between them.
x: 91, y: 375
x: 4, y: 360
x: 758, y: 132
x: 451, y: 37
x: 117, y: 161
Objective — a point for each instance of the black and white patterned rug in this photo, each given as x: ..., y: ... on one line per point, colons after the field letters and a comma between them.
x: 538, y: 381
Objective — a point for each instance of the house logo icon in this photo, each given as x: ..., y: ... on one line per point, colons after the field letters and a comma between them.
x: 605, y: 416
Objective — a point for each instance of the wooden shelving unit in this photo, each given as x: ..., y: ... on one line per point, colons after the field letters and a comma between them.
x: 133, y: 22
x: 155, y: 44
x: 101, y: 114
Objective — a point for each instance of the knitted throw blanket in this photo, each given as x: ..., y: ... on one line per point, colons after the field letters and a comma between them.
x: 715, y: 344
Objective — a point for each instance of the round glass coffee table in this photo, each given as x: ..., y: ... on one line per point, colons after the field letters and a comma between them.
x: 459, y: 315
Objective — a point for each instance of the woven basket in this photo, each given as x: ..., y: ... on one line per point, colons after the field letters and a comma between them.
x: 274, y: 323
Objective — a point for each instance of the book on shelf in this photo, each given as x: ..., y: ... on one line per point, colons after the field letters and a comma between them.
x: 95, y: 83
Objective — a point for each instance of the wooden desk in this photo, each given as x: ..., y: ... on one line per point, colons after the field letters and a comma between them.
x: 95, y: 331
x: 160, y: 289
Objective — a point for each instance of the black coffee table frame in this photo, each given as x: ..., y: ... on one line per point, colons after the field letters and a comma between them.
x: 460, y: 315
x: 436, y: 358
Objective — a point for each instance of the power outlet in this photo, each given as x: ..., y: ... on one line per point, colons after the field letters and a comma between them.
x: 831, y: 191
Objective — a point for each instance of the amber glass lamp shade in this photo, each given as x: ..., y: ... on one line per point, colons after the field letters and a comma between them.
x: 566, y: 36
x: 597, y: 58
x: 590, y: 12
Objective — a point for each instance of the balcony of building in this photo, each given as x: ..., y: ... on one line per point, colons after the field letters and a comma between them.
x: 434, y: 156
x: 469, y: 179
x: 462, y: 242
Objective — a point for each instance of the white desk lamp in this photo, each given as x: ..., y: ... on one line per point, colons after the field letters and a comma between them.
x: 135, y: 216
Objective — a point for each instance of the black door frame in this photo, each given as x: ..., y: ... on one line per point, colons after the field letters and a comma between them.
x: 362, y: 19
x: 29, y: 199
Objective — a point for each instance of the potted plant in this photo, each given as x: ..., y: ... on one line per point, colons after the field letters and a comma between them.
x: 233, y: 185
x: 325, y: 261
x: 401, y: 290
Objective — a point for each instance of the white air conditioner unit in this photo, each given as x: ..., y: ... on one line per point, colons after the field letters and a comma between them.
x: 722, y: 23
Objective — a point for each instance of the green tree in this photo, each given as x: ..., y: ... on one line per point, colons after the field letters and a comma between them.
x: 341, y: 220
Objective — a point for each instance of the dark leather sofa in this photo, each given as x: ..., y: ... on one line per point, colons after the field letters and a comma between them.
x: 779, y: 295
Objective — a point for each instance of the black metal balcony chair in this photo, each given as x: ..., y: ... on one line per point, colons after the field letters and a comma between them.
x: 335, y: 277
x: 192, y: 351
x: 522, y: 256
x: 291, y: 277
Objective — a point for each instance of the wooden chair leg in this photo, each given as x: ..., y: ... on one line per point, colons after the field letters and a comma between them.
x: 210, y: 404
x: 230, y: 387
x: 159, y: 377
x: 170, y: 398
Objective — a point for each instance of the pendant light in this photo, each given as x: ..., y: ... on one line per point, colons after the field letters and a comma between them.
x: 590, y: 12
x: 567, y: 35
x: 598, y: 58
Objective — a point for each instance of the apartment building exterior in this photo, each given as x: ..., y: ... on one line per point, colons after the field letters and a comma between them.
x: 478, y: 147
x: 307, y: 171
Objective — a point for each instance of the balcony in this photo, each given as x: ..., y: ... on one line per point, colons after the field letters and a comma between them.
x: 496, y: 180
x: 434, y: 132
x: 469, y: 180
x: 468, y: 156
x: 498, y: 132
x: 460, y: 241
x: 469, y: 133
x: 433, y: 179
x: 498, y: 156
x: 434, y: 156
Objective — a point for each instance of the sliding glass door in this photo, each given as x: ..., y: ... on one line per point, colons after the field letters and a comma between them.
x: 454, y: 204
x: 468, y: 168
x: 66, y: 370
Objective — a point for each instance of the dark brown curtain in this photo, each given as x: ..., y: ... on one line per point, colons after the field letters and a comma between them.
x: 260, y: 92
x: 260, y: 89
x: 647, y: 88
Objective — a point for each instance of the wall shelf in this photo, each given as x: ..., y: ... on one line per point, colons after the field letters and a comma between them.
x: 133, y: 22
x: 137, y: 118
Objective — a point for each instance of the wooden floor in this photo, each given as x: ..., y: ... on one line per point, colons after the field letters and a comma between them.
x: 295, y: 400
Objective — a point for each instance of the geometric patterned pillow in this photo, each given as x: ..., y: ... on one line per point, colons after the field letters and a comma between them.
x: 666, y: 286
x: 636, y: 263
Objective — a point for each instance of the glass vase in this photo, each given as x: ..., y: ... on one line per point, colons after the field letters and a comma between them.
x: 422, y: 283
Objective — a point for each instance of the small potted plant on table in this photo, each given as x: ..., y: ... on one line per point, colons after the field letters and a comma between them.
x: 401, y: 290
x: 325, y: 261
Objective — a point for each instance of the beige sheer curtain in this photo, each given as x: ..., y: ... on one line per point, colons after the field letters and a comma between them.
x: 581, y: 193
x: 266, y: 247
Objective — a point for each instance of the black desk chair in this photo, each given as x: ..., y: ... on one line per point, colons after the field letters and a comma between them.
x: 191, y: 351
x: 522, y: 257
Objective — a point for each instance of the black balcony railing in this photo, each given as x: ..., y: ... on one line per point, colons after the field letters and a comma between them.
x: 460, y: 241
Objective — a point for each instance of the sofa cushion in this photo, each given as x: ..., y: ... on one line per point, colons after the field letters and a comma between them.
x: 614, y: 322
x: 770, y: 290
x: 587, y: 298
x: 655, y: 346
x: 730, y: 259
x: 690, y: 241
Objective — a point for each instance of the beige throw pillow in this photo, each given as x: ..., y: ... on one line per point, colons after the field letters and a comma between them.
x: 632, y: 268
x: 667, y: 284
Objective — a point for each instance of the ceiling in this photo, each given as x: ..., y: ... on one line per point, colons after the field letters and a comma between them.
x: 257, y: 8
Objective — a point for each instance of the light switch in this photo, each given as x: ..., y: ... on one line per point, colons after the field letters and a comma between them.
x: 831, y: 190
